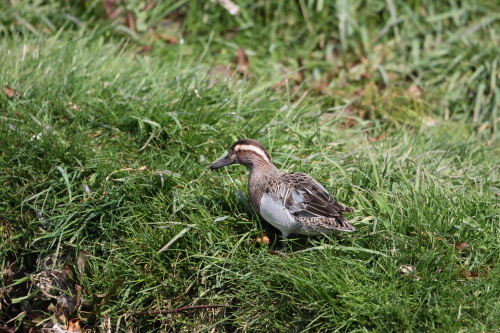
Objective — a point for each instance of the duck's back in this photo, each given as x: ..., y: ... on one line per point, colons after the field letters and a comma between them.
x: 297, y: 203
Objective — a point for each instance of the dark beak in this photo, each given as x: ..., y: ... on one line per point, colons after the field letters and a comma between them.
x: 222, y: 162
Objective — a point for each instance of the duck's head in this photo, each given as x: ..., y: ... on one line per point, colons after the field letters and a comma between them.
x: 247, y: 152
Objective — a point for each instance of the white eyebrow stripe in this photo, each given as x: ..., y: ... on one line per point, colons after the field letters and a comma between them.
x: 255, y: 149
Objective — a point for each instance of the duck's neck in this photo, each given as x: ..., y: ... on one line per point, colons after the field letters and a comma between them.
x: 259, y: 175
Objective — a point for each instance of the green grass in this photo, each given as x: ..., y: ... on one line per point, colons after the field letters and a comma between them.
x: 420, y: 167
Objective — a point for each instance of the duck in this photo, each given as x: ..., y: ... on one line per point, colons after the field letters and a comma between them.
x: 294, y: 203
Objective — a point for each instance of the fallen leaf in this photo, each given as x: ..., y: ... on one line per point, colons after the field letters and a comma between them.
x: 111, y: 9
x: 302, y: 72
x: 130, y: 21
x: 10, y: 92
x: 359, y: 91
x: 483, y: 127
x: 75, y: 325
x: 150, y: 4
x: 378, y: 137
x: 473, y: 275
x: 461, y: 246
x: 415, y: 90
x: 143, y: 50
x: 167, y: 37
x: 242, y: 61
x: 171, y: 40
x: 321, y: 87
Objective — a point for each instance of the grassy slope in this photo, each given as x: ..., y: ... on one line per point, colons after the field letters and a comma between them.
x: 417, y: 190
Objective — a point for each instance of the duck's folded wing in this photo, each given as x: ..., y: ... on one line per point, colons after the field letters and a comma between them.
x: 303, y: 196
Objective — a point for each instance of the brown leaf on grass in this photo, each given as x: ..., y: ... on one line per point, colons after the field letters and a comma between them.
x: 111, y: 9
x: 415, y: 90
x: 75, y: 325
x: 130, y: 21
x: 473, y: 275
x: 143, y: 50
x: 483, y: 127
x: 470, y: 274
x: 150, y: 4
x: 167, y: 37
x: 461, y: 246
x: 301, y: 75
x: 481, y: 273
x: 241, y: 61
x: 171, y: 39
x: 10, y: 92
x: 321, y: 87
x: 378, y: 137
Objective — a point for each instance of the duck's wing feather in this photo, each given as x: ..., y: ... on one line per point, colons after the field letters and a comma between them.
x: 303, y: 196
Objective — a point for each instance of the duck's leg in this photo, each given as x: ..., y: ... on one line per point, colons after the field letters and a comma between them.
x: 284, y: 241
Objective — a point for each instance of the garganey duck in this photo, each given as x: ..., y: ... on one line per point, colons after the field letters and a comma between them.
x: 292, y: 202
